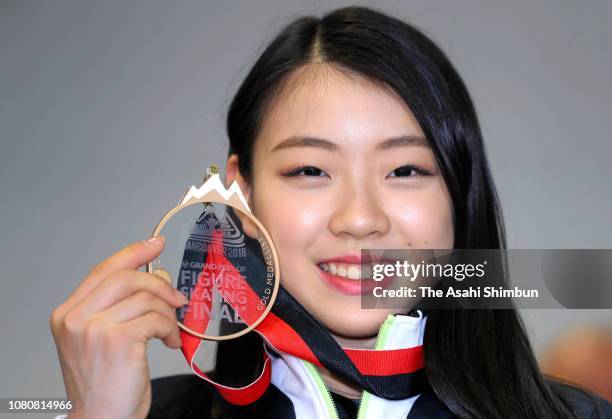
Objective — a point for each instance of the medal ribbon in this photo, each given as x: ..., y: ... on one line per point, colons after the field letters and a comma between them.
x: 392, y: 374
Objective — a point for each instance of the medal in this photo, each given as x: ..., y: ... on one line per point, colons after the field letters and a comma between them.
x: 219, y: 255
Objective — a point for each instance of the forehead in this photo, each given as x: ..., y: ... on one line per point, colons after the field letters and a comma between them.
x: 323, y: 101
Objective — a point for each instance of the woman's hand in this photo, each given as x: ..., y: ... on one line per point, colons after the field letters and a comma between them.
x: 101, y: 332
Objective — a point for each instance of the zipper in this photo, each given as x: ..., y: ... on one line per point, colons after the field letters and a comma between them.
x: 363, y: 403
x: 380, y: 343
x: 329, y: 401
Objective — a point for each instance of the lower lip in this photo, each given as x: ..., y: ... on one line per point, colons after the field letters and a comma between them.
x: 351, y: 286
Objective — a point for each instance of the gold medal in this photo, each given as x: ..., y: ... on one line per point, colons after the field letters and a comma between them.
x: 219, y: 255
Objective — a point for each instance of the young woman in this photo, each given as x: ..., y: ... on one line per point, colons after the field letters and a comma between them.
x: 351, y: 131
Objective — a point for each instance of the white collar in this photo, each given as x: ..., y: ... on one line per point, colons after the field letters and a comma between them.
x: 301, y: 382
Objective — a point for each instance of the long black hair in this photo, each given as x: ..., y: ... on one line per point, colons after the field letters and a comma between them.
x: 479, y: 362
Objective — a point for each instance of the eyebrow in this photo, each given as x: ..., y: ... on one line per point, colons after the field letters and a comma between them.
x: 300, y: 141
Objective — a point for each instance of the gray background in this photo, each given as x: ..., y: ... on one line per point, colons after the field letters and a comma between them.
x: 109, y: 109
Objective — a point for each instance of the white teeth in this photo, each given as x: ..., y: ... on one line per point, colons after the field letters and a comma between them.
x: 354, y: 272
x: 345, y: 270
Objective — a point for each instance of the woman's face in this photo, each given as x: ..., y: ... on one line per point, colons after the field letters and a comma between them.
x: 332, y: 174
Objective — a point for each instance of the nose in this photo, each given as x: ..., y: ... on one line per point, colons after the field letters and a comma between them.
x: 359, y: 213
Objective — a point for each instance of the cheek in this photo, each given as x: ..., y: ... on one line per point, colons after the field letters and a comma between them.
x: 295, y: 221
x: 426, y: 220
x: 294, y: 227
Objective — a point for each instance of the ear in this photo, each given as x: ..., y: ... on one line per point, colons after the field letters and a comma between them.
x: 232, y: 173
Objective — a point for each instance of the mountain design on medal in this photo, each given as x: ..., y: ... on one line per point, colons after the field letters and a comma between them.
x: 208, y: 222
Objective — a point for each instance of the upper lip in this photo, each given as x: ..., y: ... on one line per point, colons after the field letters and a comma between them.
x: 356, y: 259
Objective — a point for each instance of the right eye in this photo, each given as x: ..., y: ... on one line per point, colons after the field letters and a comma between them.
x: 305, y: 171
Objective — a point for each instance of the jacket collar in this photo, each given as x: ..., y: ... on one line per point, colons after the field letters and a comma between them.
x: 301, y: 381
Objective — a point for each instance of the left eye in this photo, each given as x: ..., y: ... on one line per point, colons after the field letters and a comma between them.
x: 409, y: 171
x: 308, y: 171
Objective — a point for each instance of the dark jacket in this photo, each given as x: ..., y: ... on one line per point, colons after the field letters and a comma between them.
x: 187, y: 395
x: 298, y: 391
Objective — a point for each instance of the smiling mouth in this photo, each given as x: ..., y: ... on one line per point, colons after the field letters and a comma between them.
x: 347, y: 270
x: 346, y: 277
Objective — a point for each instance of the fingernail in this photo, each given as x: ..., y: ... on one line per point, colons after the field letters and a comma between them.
x: 181, y: 297
x: 153, y: 241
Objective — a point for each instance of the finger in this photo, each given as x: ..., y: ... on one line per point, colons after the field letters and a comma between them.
x: 132, y: 256
x: 121, y: 285
x: 153, y: 325
x: 136, y: 305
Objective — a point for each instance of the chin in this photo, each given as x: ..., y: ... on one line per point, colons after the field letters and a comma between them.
x: 354, y: 323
